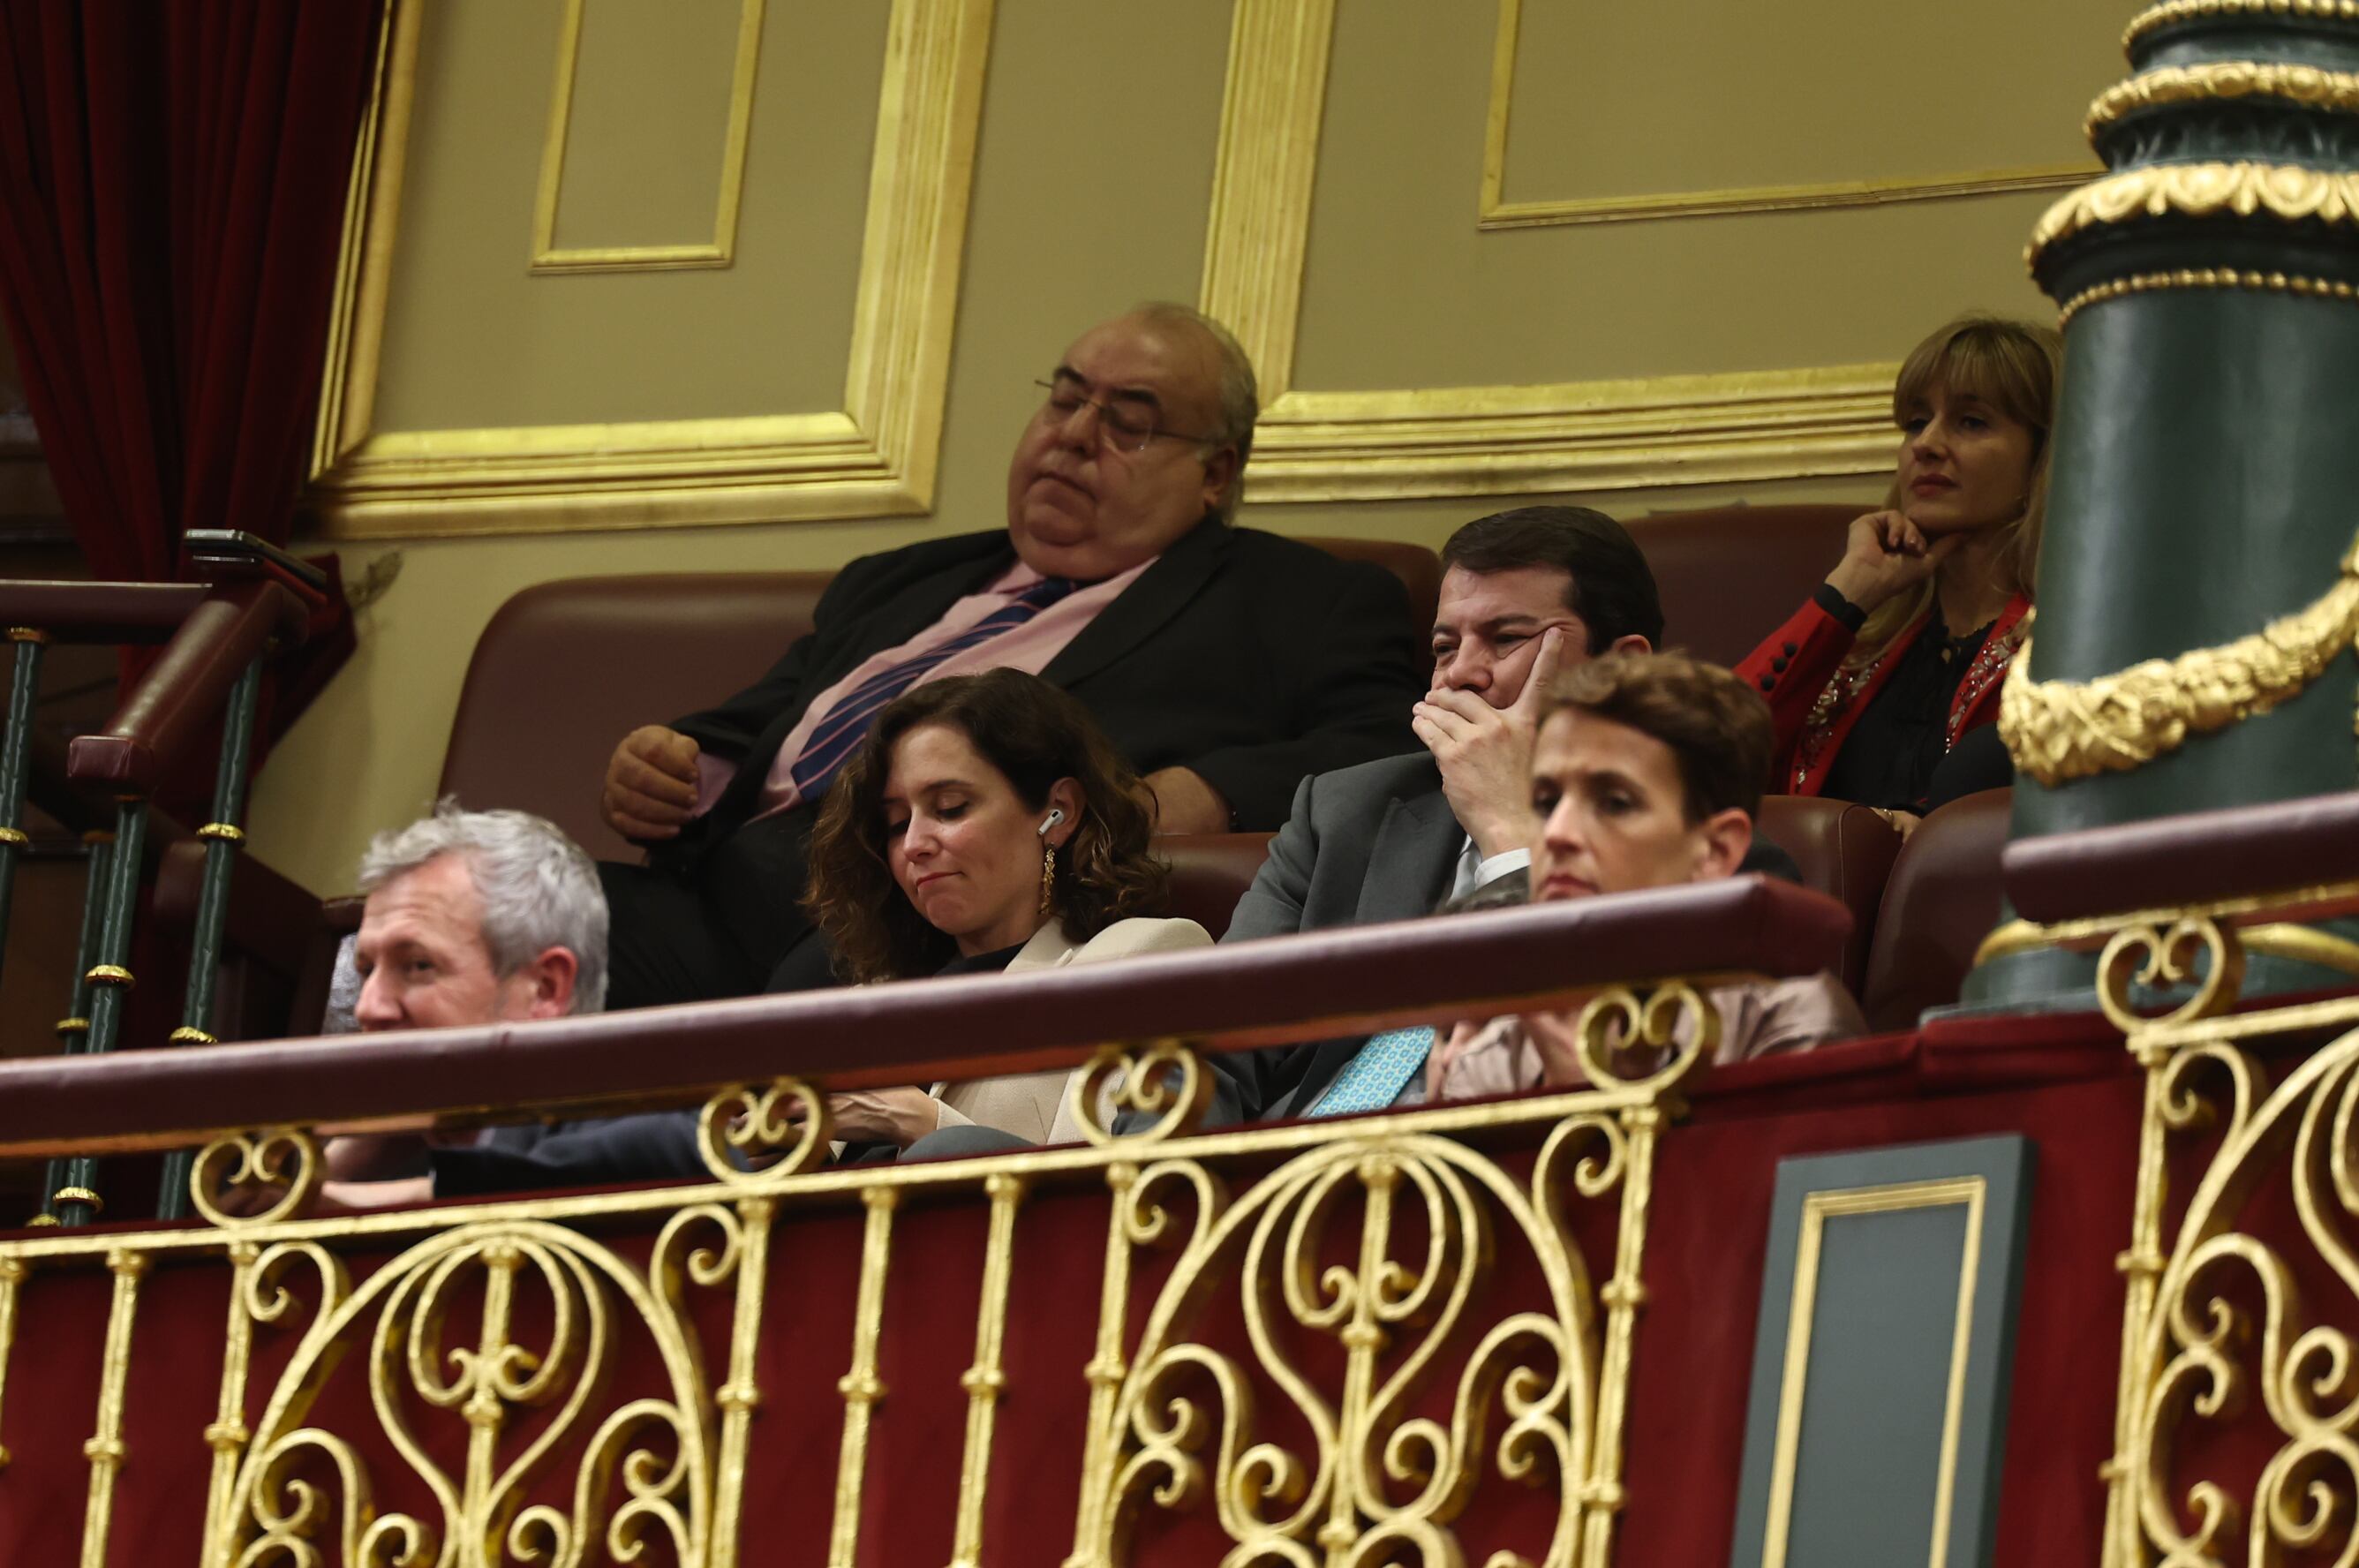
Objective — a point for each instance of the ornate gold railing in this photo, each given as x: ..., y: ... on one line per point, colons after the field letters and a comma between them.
x: 2237, y: 1414
x: 1313, y: 1342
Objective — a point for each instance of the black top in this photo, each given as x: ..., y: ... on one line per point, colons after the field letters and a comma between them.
x: 1888, y: 759
x: 982, y: 963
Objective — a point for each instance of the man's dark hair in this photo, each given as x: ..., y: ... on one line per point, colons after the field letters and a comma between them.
x: 1612, y: 589
x: 1716, y: 725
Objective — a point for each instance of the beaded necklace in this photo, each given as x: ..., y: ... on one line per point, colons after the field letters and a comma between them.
x: 1997, y: 652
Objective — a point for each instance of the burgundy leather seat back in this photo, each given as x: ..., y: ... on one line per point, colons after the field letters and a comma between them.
x: 1845, y: 852
x: 1732, y: 575
x: 1419, y: 568
x: 1942, y: 899
x: 567, y: 669
x: 1210, y: 872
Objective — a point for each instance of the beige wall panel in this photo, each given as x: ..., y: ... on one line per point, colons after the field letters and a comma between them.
x: 1612, y: 99
x: 649, y: 121
x: 474, y: 340
x: 1393, y: 238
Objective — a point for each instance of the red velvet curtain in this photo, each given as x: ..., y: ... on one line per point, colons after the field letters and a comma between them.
x: 172, y: 185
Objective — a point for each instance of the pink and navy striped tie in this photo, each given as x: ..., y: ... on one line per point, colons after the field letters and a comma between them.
x: 846, y: 723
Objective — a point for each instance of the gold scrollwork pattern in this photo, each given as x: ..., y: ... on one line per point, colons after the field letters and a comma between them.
x: 1661, y: 1037
x: 1382, y: 1245
x: 2063, y: 730
x: 2225, y: 1338
x: 2164, y: 959
x: 232, y: 1175
x: 1165, y: 1082
x: 752, y: 1135
x: 521, y: 1398
x: 2308, y: 85
x: 2288, y: 191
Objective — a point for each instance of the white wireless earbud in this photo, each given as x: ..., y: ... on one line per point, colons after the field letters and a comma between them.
x: 1056, y: 815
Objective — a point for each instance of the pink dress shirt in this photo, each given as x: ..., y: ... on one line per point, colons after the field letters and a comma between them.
x: 1028, y: 648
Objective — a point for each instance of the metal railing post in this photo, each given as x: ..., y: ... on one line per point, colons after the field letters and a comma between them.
x: 222, y: 836
x: 77, y: 1200
x: 16, y: 748
x: 73, y: 1030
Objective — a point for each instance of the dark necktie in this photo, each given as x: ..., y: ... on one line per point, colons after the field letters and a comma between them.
x: 846, y: 723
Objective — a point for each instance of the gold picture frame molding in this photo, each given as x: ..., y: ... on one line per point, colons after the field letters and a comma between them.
x: 1496, y: 212
x: 1740, y: 427
x: 548, y: 257
x: 875, y: 457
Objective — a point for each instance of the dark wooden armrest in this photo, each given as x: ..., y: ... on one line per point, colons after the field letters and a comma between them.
x: 100, y: 612
x: 181, y: 697
x: 2200, y: 857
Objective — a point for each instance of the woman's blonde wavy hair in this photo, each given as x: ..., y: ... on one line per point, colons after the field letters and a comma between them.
x: 2012, y: 366
x: 1035, y: 735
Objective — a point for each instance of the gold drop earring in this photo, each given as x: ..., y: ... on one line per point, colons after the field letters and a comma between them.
x: 1047, y: 878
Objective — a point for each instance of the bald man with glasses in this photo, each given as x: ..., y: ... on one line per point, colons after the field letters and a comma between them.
x: 1224, y: 663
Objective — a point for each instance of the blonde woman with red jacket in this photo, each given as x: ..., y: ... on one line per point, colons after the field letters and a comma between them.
x: 1901, y: 652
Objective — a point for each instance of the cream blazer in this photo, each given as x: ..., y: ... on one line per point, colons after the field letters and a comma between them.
x: 1036, y: 1106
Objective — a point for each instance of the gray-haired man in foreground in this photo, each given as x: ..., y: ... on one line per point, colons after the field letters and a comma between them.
x: 478, y: 917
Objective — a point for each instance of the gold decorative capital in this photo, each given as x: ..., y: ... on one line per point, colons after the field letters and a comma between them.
x: 2304, y: 84
x: 13, y: 838
x: 2173, y: 12
x: 2288, y: 192
x: 225, y: 832
x: 82, y: 1195
x: 111, y: 974
x: 72, y: 1026
x: 33, y: 635
x: 2062, y: 730
x: 192, y: 1037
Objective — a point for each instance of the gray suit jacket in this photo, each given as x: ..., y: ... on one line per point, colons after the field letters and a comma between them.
x: 1361, y: 845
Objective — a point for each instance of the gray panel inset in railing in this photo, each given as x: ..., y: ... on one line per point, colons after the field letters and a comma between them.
x: 1881, y: 1360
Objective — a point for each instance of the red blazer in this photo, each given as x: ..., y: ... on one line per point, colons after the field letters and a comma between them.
x: 1815, y: 701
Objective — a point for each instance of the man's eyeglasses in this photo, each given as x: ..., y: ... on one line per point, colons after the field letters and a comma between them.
x: 1123, y: 428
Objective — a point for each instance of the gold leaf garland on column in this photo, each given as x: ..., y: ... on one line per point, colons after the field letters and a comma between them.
x: 2062, y: 730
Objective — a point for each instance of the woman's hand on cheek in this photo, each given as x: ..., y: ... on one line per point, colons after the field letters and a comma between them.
x: 1886, y: 555
x: 898, y: 1116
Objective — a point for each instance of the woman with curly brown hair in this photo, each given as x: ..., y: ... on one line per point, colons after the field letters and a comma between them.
x: 984, y: 824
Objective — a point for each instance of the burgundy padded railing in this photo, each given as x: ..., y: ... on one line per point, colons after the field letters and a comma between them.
x: 1225, y: 998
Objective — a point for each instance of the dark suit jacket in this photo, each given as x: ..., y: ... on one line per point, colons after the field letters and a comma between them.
x: 1368, y: 844
x: 1251, y: 659
x: 650, y: 1146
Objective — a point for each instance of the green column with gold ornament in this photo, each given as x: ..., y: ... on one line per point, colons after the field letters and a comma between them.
x: 2197, y: 596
